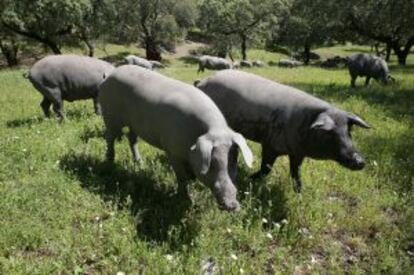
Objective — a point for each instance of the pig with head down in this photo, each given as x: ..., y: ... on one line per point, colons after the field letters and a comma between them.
x: 285, y: 120
x: 213, y: 63
x: 178, y: 119
x: 67, y: 77
x: 368, y: 66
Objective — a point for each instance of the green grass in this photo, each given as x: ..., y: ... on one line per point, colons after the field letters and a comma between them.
x: 64, y: 210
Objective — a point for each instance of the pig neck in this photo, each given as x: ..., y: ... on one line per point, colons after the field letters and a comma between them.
x: 298, y: 126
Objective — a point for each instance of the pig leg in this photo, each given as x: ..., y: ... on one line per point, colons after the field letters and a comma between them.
x: 268, y: 159
x: 367, y: 80
x: 295, y: 163
x: 113, y: 131
x: 200, y: 68
x: 353, y: 79
x: 55, y: 96
x: 45, y: 104
x: 133, y: 144
x: 58, y: 109
x: 183, y: 174
x: 97, y: 106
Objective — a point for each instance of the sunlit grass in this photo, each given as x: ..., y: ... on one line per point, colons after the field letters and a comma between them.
x: 64, y: 210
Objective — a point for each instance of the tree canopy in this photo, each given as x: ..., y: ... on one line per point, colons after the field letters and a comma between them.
x: 158, y: 25
x: 243, y: 19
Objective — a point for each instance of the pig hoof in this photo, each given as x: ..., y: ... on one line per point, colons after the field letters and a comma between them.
x: 297, y: 188
x: 231, y: 207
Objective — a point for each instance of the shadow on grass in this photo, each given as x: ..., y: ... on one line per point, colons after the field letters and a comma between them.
x: 265, y: 195
x: 189, y: 59
x: 156, y: 209
x: 92, y: 132
x: 402, y: 69
x: 24, y: 122
x: 72, y: 114
x: 400, y: 174
x: 358, y: 50
x: 396, y: 100
x: 79, y: 114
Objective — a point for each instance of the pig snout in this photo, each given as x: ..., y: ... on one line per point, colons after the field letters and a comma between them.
x: 226, y: 196
x: 231, y: 206
x: 358, y: 162
x: 354, y: 162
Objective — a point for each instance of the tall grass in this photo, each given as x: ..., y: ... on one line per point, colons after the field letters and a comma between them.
x: 64, y: 210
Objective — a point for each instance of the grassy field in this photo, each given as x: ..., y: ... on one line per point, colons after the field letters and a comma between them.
x: 64, y: 210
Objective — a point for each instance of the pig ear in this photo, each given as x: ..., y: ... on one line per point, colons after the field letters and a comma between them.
x: 245, y: 150
x: 201, y: 154
x: 356, y: 120
x: 323, y: 122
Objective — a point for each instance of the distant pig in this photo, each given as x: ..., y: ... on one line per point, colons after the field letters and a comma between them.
x: 67, y: 77
x: 285, y: 120
x: 369, y: 66
x: 213, y: 63
x: 178, y: 119
x: 139, y: 61
x: 289, y: 63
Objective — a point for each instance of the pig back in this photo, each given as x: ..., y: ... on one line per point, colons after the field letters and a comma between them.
x: 77, y: 77
x: 166, y: 113
x: 257, y: 107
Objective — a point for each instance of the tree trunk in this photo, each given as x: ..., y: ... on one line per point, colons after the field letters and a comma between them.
x: 377, y: 50
x: 388, y: 52
x: 243, y: 46
x: 402, y: 58
x: 44, y: 40
x: 90, y: 46
x: 53, y: 46
x: 306, y: 54
x: 151, y: 50
x: 401, y: 53
x: 10, y: 53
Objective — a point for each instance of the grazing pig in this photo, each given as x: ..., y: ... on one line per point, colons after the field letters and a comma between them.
x: 213, y: 63
x: 369, y: 66
x: 246, y: 64
x: 285, y: 120
x: 258, y: 63
x: 289, y: 63
x: 179, y: 119
x: 334, y: 62
x: 156, y: 64
x: 67, y: 77
x: 139, y: 61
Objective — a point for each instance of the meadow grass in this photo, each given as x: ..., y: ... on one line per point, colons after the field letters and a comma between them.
x: 63, y: 209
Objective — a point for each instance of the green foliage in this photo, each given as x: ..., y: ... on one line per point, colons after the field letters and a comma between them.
x: 386, y: 21
x: 238, y: 21
x: 307, y: 24
x: 64, y: 210
x: 154, y: 23
x: 37, y: 19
